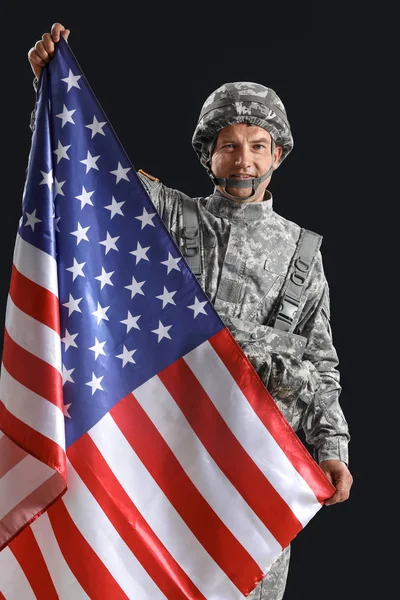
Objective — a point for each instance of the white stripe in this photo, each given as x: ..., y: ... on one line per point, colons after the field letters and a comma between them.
x: 40, y: 340
x: 106, y: 542
x: 65, y: 582
x: 13, y: 582
x: 32, y: 409
x: 20, y: 481
x: 251, y: 432
x: 200, y: 467
x: 36, y: 265
x: 159, y: 513
x: 1, y: 434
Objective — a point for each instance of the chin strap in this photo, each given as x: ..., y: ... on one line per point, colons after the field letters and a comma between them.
x: 254, y: 182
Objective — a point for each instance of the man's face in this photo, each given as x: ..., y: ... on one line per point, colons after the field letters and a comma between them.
x: 243, y: 151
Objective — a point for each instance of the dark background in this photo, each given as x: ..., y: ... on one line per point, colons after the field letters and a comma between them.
x: 151, y: 70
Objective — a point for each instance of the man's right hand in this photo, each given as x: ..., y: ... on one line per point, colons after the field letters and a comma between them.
x: 43, y: 51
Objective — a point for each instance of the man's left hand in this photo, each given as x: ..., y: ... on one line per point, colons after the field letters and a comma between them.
x: 339, y: 474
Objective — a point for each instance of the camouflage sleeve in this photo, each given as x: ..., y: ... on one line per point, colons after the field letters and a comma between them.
x: 33, y: 113
x: 167, y: 201
x: 323, y: 421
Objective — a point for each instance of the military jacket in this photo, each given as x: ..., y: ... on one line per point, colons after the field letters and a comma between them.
x: 246, y: 250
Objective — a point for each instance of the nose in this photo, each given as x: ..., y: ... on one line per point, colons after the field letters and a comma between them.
x: 243, y: 157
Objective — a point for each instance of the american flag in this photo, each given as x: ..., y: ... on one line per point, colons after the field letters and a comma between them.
x: 141, y: 456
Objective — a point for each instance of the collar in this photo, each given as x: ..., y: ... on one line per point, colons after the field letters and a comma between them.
x: 221, y: 206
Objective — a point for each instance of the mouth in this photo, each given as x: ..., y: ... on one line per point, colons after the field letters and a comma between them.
x: 242, y: 176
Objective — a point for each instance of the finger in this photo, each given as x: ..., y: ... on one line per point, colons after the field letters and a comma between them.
x: 56, y: 30
x: 41, y: 52
x: 48, y: 44
x: 34, y: 58
x: 36, y: 62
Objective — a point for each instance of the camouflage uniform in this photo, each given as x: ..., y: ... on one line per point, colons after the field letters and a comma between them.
x: 246, y: 251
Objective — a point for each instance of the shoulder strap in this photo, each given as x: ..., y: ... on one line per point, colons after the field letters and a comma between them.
x: 191, y: 235
x: 308, y: 246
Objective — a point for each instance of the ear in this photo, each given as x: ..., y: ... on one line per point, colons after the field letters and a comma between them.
x: 277, y: 156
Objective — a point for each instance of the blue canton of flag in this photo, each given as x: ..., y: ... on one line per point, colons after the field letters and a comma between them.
x: 129, y: 304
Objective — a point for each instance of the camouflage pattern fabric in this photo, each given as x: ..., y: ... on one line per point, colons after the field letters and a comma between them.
x: 272, y: 587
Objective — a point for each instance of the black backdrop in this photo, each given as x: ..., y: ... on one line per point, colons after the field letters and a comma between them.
x: 151, y: 72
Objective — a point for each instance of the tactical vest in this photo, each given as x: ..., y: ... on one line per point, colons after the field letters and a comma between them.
x: 285, y: 316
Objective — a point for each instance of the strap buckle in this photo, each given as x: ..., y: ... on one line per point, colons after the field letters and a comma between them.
x: 288, y: 309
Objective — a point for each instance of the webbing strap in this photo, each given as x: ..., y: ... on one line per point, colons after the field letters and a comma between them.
x: 309, y: 244
x: 191, y: 235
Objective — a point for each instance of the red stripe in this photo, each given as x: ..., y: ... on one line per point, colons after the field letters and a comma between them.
x: 35, y: 300
x: 32, y: 372
x: 263, y: 404
x: 204, y: 523
x: 87, y: 567
x: 10, y: 455
x: 30, y: 508
x: 27, y: 552
x: 2, y: 597
x: 32, y: 441
x: 228, y: 453
x: 127, y: 520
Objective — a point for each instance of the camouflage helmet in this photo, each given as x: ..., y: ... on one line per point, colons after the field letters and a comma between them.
x: 241, y: 102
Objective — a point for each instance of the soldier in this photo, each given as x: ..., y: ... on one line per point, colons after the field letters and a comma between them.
x: 263, y: 273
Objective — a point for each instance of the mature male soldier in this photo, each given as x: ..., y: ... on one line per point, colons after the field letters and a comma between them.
x: 263, y: 273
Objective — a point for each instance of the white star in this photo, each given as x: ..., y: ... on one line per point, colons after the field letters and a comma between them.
x: 162, y: 331
x: 58, y: 188
x: 95, y: 384
x: 120, y: 173
x: 90, y: 162
x: 72, y: 305
x: 140, y: 252
x: 72, y: 80
x: 66, y: 116
x: 146, y: 218
x: 197, y: 307
x: 105, y: 278
x: 61, y: 151
x: 126, y: 356
x: 131, y: 322
x: 96, y: 127
x: 76, y: 269
x: 69, y: 339
x: 166, y: 297
x: 84, y: 197
x: 31, y: 219
x: 110, y: 243
x: 135, y: 287
x: 171, y: 263
x: 66, y: 375
x: 97, y: 348
x: 47, y: 178
x: 115, y: 207
x: 65, y: 410
x: 80, y: 233
x: 100, y: 313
